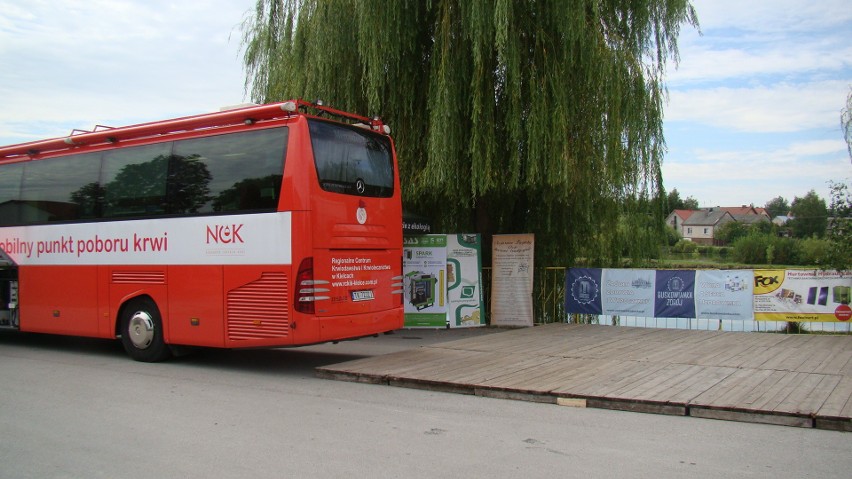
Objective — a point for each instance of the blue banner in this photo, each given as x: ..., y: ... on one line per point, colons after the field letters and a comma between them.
x: 583, y: 291
x: 675, y: 294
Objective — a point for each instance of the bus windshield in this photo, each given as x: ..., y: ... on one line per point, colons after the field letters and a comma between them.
x: 352, y: 161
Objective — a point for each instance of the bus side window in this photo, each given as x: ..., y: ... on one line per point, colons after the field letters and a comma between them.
x: 134, y: 180
x: 61, y: 189
x: 242, y: 171
x: 10, y: 194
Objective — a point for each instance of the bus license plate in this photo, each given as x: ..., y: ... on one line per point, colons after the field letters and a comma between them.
x: 365, y: 295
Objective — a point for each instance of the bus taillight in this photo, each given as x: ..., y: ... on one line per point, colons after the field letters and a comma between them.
x: 306, y: 290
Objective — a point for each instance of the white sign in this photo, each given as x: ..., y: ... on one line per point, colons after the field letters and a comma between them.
x: 512, y: 280
x: 234, y: 239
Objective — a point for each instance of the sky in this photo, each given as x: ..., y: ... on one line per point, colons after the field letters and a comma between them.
x: 753, y: 110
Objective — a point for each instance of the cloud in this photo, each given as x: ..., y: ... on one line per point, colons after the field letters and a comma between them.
x: 115, y: 62
x: 730, y: 177
x: 782, y: 107
x: 776, y: 16
x: 789, y: 40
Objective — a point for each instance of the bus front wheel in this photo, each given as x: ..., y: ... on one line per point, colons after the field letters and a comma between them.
x: 142, y: 331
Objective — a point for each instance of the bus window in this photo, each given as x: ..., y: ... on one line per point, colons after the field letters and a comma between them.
x: 10, y: 194
x: 61, y: 189
x: 349, y: 158
x: 134, y: 181
x: 243, y: 171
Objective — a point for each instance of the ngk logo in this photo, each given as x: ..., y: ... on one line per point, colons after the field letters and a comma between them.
x: 224, y: 234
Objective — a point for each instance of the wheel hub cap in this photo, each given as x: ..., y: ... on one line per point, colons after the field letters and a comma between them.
x: 141, y: 329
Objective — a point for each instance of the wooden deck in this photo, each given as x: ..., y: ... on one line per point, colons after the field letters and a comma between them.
x: 794, y: 380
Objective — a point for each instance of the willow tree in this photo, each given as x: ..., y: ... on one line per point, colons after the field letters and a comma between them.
x: 509, y: 116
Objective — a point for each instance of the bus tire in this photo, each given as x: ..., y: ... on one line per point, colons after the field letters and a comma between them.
x: 142, y: 331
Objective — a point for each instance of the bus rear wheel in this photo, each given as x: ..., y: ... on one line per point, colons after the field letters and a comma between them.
x: 142, y: 331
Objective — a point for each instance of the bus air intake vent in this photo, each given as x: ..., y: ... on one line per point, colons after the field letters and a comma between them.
x: 139, y: 277
x: 258, y: 310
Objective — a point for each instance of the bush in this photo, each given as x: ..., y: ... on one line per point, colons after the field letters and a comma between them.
x: 751, y: 249
x: 786, y: 251
x: 684, y: 246
x: 672, y: 236
x: 758, y: 248
x: 814, y: 251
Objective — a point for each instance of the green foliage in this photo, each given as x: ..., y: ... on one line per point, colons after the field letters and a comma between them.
x: 760, y: 248
x: 846, y: 122
x: 676, y: 203
x: 815, y: 251
x: 839, y: 255
x: 672, y: 236
x: 751, y: 249
x: 731, y: 231
x: 777, y: 206
x: 508, y: 117
x: 810, y: 216
x: 785, y: 250
x: 685, y: 246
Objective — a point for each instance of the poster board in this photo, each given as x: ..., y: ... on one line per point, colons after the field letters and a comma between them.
x: 512, y: 280
x: 464, y: 281
x: 802, y: 295
x: 424, y: 269
x: 724, y: 294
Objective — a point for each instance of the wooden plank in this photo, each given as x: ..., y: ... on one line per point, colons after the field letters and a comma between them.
x: 810, y: 395
x: 589, y: 385
x: 636, y: 406
x: 704, y: 379
x: 815, y: 360
x: 655, y: 388
x: 755, y: 377
x: 796, y: 402
x: 838, y: 404
x: 729, y: 392
x: 779, y: 392
x: 756, y: 417
x: 838, y: 362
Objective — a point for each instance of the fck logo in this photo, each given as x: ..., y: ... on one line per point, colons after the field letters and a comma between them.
x: 224, y: 234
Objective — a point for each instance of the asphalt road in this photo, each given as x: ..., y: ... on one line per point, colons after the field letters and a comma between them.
x: 79, y: 408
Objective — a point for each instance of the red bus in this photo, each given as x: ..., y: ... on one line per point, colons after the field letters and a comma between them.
x: 264, y: 226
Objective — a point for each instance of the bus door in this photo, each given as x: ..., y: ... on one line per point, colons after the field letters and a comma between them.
x: 8, y: 292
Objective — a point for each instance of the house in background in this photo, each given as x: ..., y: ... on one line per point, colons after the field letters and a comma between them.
x: 748, y: 214
x: 677, y: 217
x: 699, y: 225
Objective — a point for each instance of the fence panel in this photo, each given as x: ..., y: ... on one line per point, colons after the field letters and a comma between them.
x: 549, y: 307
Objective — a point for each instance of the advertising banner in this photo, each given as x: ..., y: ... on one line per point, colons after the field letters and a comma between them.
x: 802, y: 295
x: 512, y: 280
x: 238, y: 239
x: 724, y: 294
x: 583, y: 291
x: 628, y: 292
x: 464, y: 284
x: 675, y: 294
x: 424, y: 281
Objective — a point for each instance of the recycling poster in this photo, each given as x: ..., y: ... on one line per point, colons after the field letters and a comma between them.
x: 424, y: 269
x: 442, y: 285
